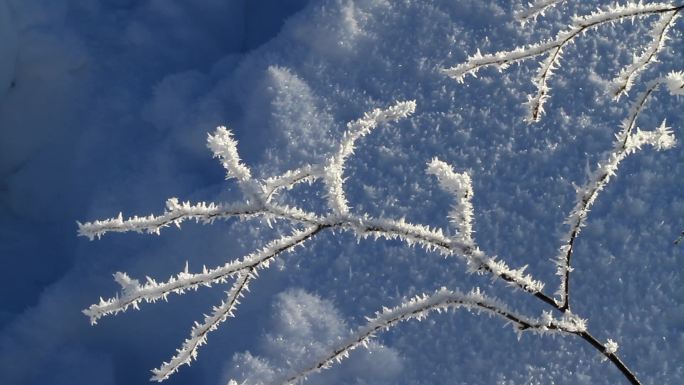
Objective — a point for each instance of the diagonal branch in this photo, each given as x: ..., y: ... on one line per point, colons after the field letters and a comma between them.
x: 290, y: 178
x: 224, y: 148
x: 477, y: 260
x: 609, y: 350
x: 198, y: 334
x: 627, y: 142
x: 133, y: 293
x: 625, y: 79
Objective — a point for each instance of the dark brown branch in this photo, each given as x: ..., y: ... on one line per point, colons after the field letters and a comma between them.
x: 629, y: 375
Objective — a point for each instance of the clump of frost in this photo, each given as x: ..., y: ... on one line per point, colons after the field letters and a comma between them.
x: 611, y: 346
x: 675, y: 82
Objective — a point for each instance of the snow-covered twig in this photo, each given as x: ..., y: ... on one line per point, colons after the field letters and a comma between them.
x: 198, y: 334
x: 461, y: 187
x: 224, y: 148
x: 133, y: 293
x: 290, y: 178
x: 628, y: 141
x: 175, y: 214
x: 553, y: 49
x: 625, y: 79
x: 334, y: 169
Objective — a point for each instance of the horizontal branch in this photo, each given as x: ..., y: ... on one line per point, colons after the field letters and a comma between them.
x: 178, y: 212
x: 175, y: 214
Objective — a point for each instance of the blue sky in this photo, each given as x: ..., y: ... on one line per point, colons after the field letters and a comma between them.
x: 109, y: 110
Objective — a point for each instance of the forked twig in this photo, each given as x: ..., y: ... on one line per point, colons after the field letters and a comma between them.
x: 553, y: 49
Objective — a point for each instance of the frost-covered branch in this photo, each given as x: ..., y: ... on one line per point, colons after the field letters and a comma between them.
x: 198, y: 334
x: 175, y: 214
x: 355, y: 130
x: 625, y: 79
x: 133, y: 292
x: 461, y: 187
x: 629, y: 140
x: 291, y: 178
x: 224, y: 148
x: 553, y: 49
x: 420, y: 308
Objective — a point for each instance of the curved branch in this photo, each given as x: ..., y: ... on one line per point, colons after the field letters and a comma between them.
x: 420, y: 308
x: 334, y: 168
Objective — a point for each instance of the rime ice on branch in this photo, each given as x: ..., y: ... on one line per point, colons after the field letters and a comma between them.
x: 553, y: 48
x: 461, y: 187
x: 420, y: 308
x: 629, y: 140
x: 258, y: 203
